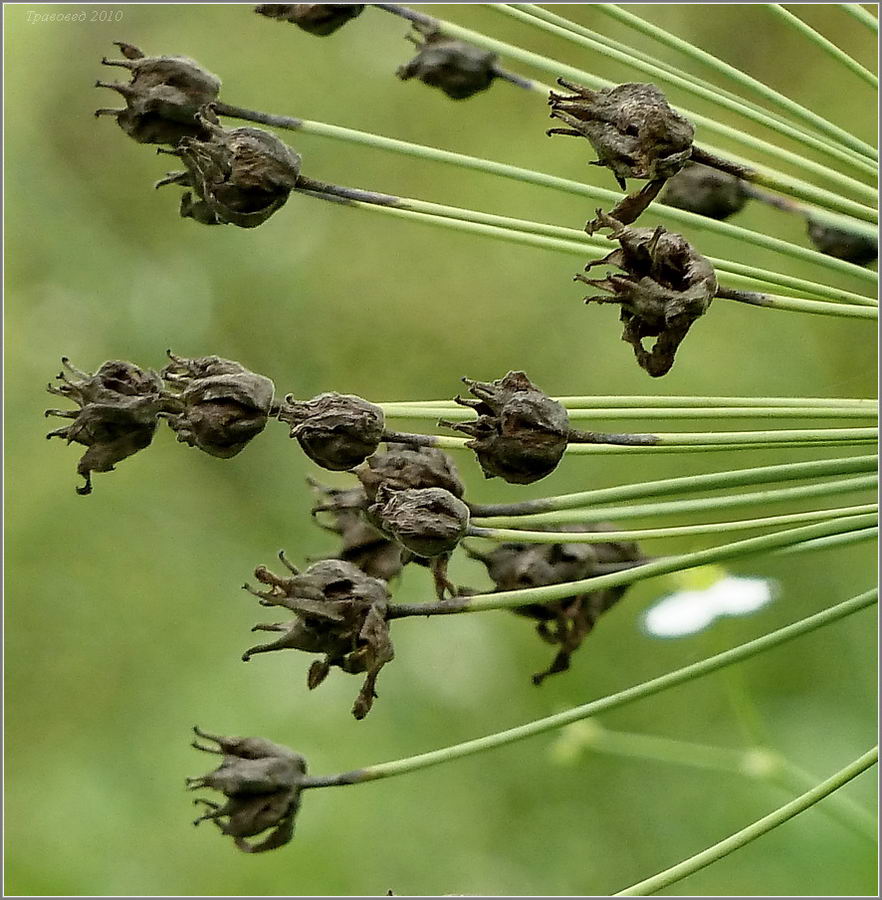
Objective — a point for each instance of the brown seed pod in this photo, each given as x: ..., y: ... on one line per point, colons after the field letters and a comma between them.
x: 336, y: 431
x: 665, y: 287
x: 239, y: 176
x: 459, y: 69
x: 706, y: 191
x: 410, y: 467
x: 852, y: 246
x: 262, y: 782
x: 566, y: 622
x: 520, y: 433
x: 163, y: 97
x: 320, y: 19
x: 340, y: 612
x: 118, y: 411
x: 631, y: 127
x: 219, y: 405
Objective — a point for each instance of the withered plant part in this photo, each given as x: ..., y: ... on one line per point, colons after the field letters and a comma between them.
x: 665, y: 287
x: 163, y: 97
x: 402, y: 467
x: 520, y: 433
x: 239, y: 176
x: 852, y: 246
x: 262, y: 782
x: 564, y: 623
x: 218, y: 404
x: 340, y: 613
x: 118, y: 411
x: 706, y: 191
x: 320, y: 19
x: 336, y: 431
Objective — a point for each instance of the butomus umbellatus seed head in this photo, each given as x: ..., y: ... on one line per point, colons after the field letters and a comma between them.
x: 459, y: 69
x: 320, y: 19
x: 403, y: 467
x: 705, y: 191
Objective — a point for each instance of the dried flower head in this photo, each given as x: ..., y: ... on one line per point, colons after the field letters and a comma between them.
x: 631, y: 127
x: 566, y: 622
x: 118, y: 411
x: 665, y: 287
x: 262, y: 782
x: 336, y: 431
x: 520, y: 433
x: 317, y: 18
x: 459, y: 69
x: 853, y: 246
x: 706, y: 191
x: 410, y: 467
x: 162, y: 98
x: 219, y: 405
x: 340, y: 612
x: 239, y: 176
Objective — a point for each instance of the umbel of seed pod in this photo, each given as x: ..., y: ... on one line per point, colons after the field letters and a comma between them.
x: 239, y: 176
x: 460, y: 70
x: 665, y: 286
x: 852, y: 246
x: 340, y: 613
x: 520, y: 433
x: 262, y: 782
x: 118, y: 411
x: 162, y: 98
x: 336, y: 431
x: 563, y: 623
x: 631, y: 127
x: 316, y: 18
x: 404, y: 467
x: 706, y: 191
x: 218, y: 404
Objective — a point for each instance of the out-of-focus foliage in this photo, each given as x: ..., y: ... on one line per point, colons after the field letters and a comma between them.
x: 125, y: 621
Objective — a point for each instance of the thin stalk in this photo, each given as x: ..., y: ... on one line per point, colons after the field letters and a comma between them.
x: 547, y: 21
x: 859, y: 13
x: 797, y: 304
x: 756, y: 830
x: 605, y: 704
x: 645, y: 534
x: 393, y: 411
x: 826, y: 45
x: 688, y: 438
x: 832, y: 542
x: 682, y: 402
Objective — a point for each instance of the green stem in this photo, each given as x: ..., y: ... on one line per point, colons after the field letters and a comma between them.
x: 859, y: 13
x: 820, y: 41
x: 756, y: 830
x: 832, y: 542
x: 612, y: 401
x: 797, y: 304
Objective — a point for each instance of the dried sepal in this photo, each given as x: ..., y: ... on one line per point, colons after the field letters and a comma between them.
x: 459, y: 69
x: 842, y: 243
x: 340, y: 613
x: 163, y: 97
x: 219, y: 405
x: 402, y: 467
x: 520, y: 434
x: 631, y: 127
x: 336, y: 431
x: 262, y: 782
x: 118, y: 412
x: 665, y: 286
x: 238, y: 176
x: 705, y: 191
x: 320, y: 19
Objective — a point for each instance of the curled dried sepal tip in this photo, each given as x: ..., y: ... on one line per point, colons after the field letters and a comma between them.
x: 459, y: 69
x: 852, y: 246
x: 665, y: 286
x: 631, y: 127
x: 262, y: 782
x: 219, y: 405
x: 706, y: 191
x: 239, y: 176
x: 336, y: 431
x: 320, y: 19
x: 520, y: 433
x: 118, y: 411
x: 402, y: 467
x: 340, y: 613
x: 163, y: 97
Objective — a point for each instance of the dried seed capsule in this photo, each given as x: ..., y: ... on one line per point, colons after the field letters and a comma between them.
x: 316, y: 18
x: 341, y: 613
x: 162, y: 98
x: 665, y: 287
x: 706, y: 191
x: 566, y: 622
x: 221, y: 405
x: 459, y: 69
x: 262, y: 782
x: 118, y: 411
x: 239, y: 176
x: 520, y: 433
x: 336, y: 431
x: 852, y: 246
x: 631, y: 127
x: 410, y: 467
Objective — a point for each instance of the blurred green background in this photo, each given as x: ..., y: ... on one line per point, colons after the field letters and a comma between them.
x: 125, y: 621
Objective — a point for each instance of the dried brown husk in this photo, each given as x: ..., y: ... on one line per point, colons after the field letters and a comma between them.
x: 842, y: 243
x: 459, y: 69
x: 705, y: 191
x: 402, y: 467
x: 320, y: 19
